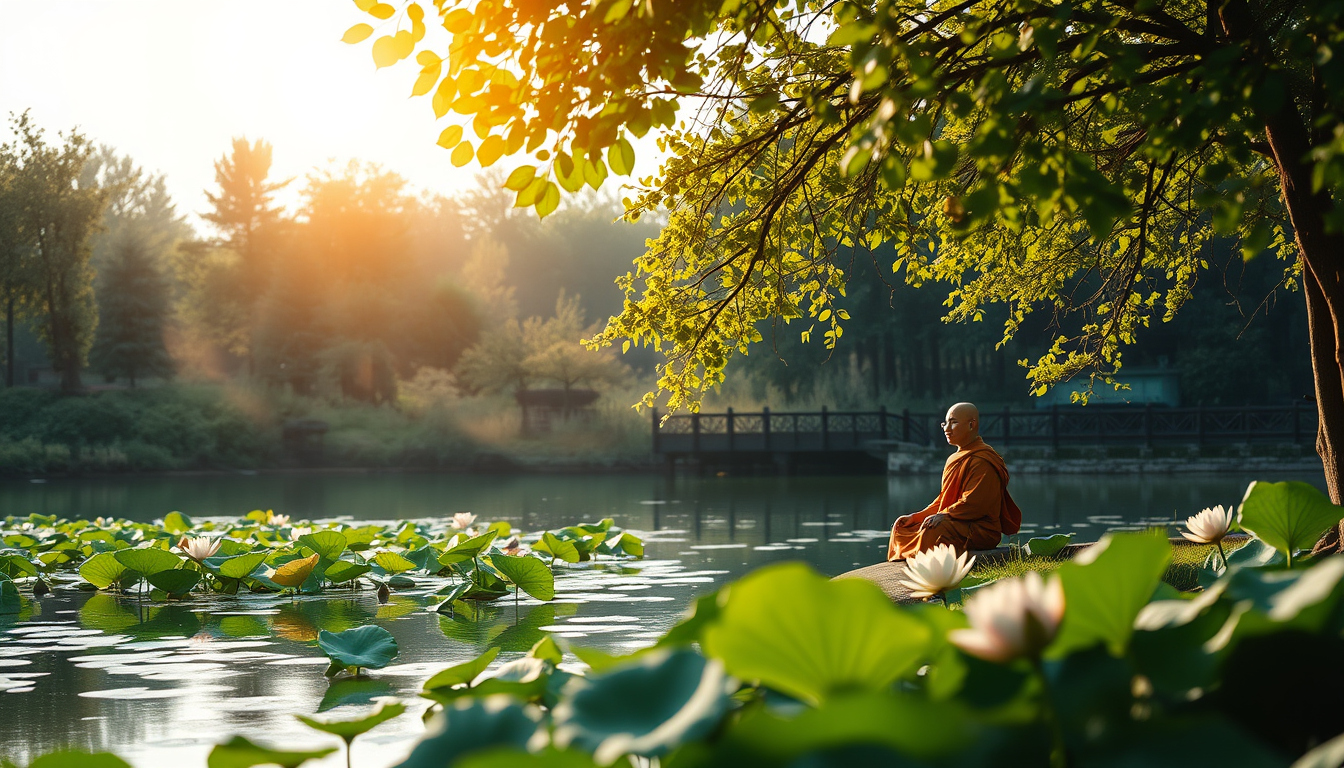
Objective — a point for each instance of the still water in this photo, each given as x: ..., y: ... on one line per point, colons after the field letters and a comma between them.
x: 160, y: 684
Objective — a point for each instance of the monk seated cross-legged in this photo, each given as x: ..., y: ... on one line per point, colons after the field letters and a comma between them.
x: 973, y: 510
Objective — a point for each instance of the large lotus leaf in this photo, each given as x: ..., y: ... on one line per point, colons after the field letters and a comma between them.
x: 230, y: 547
x: 462, y: 674
x: 328, y: 544
x: 370, y: 647
x: 175, y: 582
x: 176, y: 522
x: 77, y: 759
x: 807, y: 636
x: 238, y: 752
x: 425, y: 559
x: 102, y: 570
x: 393, y: 562
x: 295, y: 572
x: 1328, y: 755
x: 11, y: 602
x: 238, y: 566
x: 1106, y: 586
x: 473, y: 725
x: 501, y: 757
x: 528, y: 574
x: 646, y: 708
x: 557, y: 548
x: 1255, y: 554
x: 148, y: 561
x: 1274, y: 601
x: 469, y: 549
x: 349, y: 729
x: 1288, y: 516
x: 1045, y: 546
x: 343, y: 570
x: 17, y: 566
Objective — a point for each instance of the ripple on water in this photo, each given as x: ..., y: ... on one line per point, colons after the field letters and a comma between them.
x: 141, y: 692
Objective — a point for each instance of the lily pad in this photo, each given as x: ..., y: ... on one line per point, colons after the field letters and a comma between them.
x: 294, y: 572
x: 176, y: 522
x: 393, y: 562
x: 239, y: 566
x: 1105, y: 588
x: 1288, y: 516
x: 347, y: 730
x: 77, y: 759
x: 469, y: 549
x: 473, y: 725
x: 11, y: 602
x: 148, y: 561
x: 557, y: 548
x: 462, y: 674
x: 102, y: 570
x: 809, y: 637
x: 238, y: 752
x: 342, y: 571
x: 367, y: 647
x: 17, y: 566
x: 175, y: 582
x: 1046, y: 546
x: 528, y: 574
x: 645, y: 708
x: 328, y: 544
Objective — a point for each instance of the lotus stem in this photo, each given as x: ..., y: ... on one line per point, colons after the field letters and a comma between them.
x: 1058, y: 756
x: 1223, y: 553
x: 1290, y: 557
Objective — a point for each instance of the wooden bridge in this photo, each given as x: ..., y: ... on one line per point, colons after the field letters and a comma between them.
x: 779, y: 434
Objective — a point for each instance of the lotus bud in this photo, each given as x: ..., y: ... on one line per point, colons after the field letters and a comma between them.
x: 462, y: 520
x: 1015, y: 618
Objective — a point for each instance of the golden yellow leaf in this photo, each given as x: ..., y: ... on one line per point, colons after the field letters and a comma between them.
x: 468, y: 105
x: 491, y: 150
x: 425, y: 82
x: 550, y: 200
x: 415, y: 12
x: 405, y: 44
x: 427, y: 58
x: 458, y: 20
x: 384, y: 51
x: 295, y: 572
x: 520, y: 178
x: 381, y: 11
x: 364, y: 5
x: 462, y: 154
x: 443, y: 97
x: 450, y: 136
x: 357, y: 34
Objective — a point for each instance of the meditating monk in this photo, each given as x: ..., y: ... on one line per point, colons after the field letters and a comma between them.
x: 973, y: 510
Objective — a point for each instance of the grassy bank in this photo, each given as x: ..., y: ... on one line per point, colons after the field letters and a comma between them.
x: 210, y: 426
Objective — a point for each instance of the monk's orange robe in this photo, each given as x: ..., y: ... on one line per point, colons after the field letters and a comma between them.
x: 974, y: 498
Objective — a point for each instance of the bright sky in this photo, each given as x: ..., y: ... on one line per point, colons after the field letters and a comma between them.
x: 170, y: 82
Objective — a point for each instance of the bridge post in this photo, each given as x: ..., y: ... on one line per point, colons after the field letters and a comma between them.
x: 1199, y: 425
x: 905, y: 424
x: 765, y: 426
x: 730, y: 429
x: 1007, y: 424
x: 882, y: 415
x: 1054, y: 427
x: 1148, y: 425
x: 825, y: 430
x: 1297, y: 425
x: 695, y: 434
x: 654, y: 412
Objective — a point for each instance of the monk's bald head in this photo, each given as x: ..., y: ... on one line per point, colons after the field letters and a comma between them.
x: 962, y: 424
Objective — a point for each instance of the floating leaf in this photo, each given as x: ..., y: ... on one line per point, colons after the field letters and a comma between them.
x: 175, y: 582
x: 1046, y: 546
x: 78, y: 759
x: 148, y: 561
x: 238, y: 752
x: 176, y: 522
x: 239, y: 566
x: 557, y: 548
x: 462, y: 674
x: 1289, y: 516
x: 470, y: 726
x: 811, y: 637
x: 295, y: 572
x: 370, y: 647
x: 528, y: 574
x: 342, y: 571
x: 328, y: 544
x: 11, y: 602
x: 469, y: 549
x: 646, y: 708
x: 347, y: 730
x: 17, y: 566
x: 393, y: 562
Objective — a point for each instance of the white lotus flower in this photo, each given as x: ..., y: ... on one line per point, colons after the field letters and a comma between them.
x: 1210, y: 526
x: 934, y: 571
x: 1012, y: 619
x: 198, y: 548
x: 462, y: 520
x: 276, y: 520
x: 295, y: 533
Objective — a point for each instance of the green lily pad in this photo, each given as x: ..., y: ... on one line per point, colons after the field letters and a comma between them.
x: 528, y: 574
x: 469, y: 549
x: 473, y: 725
x: 11, y: 602
x: 646, y: 708
x: 77, y: 759
x: 557, y: 548
x: 367, y: 647
x: 809, y: 637
x: 393, y: 562
x: 401, y: 582
x: 17, y: 566
x: 328, y: 544
x: 176, y: 582
x: 342, y: 571
x: 462, y: 674
x: 148, y: 561
x: 1106, y: 586
x: 347, y: 730
x: 238, y: 752
x: 425, y: 559
x: 176, y: 522
x: 1288, y: 516
x: 238, y: 566
x: 102, y: 570
x: 1045, y: 546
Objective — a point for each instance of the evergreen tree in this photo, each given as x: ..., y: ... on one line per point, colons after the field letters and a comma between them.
x: 134, y: 309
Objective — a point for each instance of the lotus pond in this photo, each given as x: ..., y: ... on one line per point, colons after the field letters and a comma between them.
x: 160, y: 656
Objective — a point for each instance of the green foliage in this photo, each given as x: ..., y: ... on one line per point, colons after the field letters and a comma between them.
x: 78, y: 759
x: 1106, y: 586
x: 347, y: 730
x: 11, y: 602
x: 470, y: 726
x: 238, y: 752
x: 133, y: 312
x: 1288, y: 516
x: 462, y: 674
x: 527, y: 574
x: 148, y: 561
x: 1046, y: 546
x: 370, y: 647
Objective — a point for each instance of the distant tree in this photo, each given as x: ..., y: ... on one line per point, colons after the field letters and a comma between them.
x: 484, y: 275
x: 497, y: 362
x: 133, y: 313
x: 16, y: 252
x: 244, y: 208
x: 62, y: 215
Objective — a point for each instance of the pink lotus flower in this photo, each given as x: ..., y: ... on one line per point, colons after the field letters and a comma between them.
x: 198, y: 548
x: 1015, y: 618
x: 462, y: 520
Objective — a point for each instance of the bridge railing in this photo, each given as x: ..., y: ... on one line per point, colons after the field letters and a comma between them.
x: 828, y: 430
